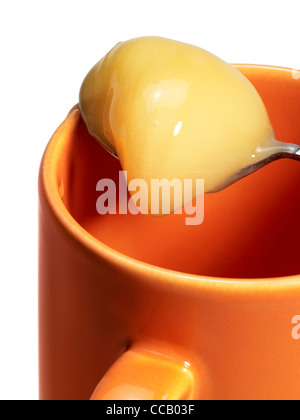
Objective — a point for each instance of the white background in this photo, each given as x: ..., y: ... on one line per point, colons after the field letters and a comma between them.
x: 47, y: 47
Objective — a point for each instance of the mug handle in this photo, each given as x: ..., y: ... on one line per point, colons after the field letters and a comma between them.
x: 141, y: 374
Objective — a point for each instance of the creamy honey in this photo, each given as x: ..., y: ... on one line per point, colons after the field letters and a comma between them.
x: 170, y: 110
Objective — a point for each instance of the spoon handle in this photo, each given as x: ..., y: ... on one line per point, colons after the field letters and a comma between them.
x: 289, y: 150
x: 280, y: 151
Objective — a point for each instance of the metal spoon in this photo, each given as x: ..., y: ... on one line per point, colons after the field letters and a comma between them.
x: 277, y: 151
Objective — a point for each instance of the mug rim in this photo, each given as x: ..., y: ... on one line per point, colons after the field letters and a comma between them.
x: 164, y: 278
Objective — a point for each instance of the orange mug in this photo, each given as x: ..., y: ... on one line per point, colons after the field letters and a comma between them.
x: 134, y: 307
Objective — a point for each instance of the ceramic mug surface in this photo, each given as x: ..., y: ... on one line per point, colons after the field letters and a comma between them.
x: 134, y: 307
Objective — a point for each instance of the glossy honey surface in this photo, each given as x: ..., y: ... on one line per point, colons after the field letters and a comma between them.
x: 170, y: 110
